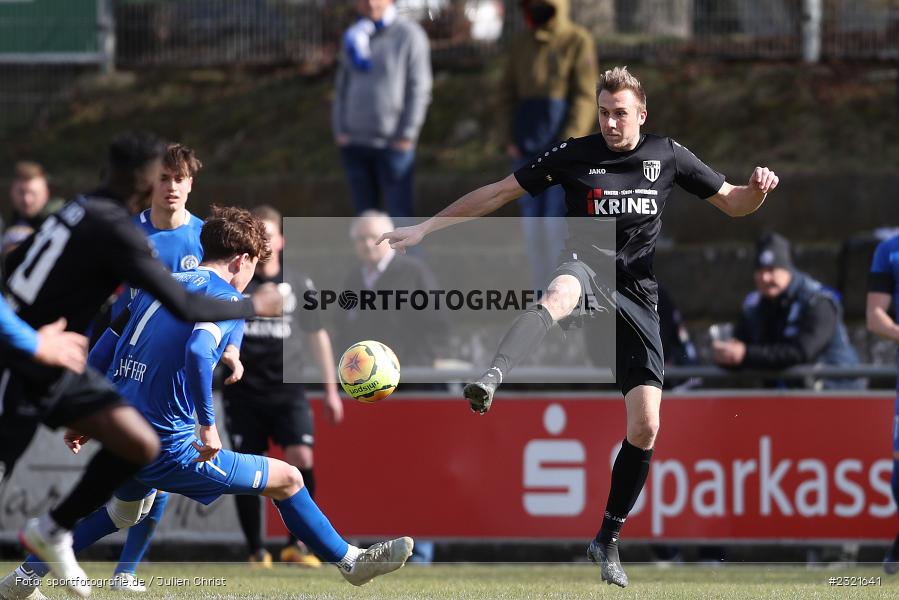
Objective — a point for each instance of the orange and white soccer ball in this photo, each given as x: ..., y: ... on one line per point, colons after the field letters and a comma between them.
x: 369, y: 371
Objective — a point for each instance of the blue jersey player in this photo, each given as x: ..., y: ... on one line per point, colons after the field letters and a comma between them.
x: 173, y: 232
x: 883, y: 288
x: 174, y: 235
x: 164, y: 368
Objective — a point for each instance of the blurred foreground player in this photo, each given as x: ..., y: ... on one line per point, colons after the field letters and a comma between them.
x: 164, y: 367
x: 50, y: 345
x: 68, y: 269
x: 626, y: 176
x: 174, y: 234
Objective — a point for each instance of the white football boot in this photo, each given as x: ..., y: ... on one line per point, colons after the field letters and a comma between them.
x: 55, y: 549
x: 16, y: 587
x: 379, y: 559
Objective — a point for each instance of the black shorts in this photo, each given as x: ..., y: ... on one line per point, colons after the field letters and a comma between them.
x: 252, y: 422
x: 31, y: 395
x: 54, y: 397
x: 638, y: 355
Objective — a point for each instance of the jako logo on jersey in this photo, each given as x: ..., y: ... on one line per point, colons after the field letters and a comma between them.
x: 189, y: 262
x: 597, y: 205
x: 597, y: 172
x: 652, y: 169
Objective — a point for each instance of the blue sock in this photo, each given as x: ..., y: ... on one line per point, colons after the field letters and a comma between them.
x: 304, y: 519
x: 140, y: 536
x: 93, y: 527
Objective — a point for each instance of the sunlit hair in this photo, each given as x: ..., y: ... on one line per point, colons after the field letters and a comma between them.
x: 181, y: 159
x: 619, y: 78
x: 230, y: 231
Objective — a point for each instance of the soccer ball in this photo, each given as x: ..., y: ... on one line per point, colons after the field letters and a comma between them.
x: 369, y: 371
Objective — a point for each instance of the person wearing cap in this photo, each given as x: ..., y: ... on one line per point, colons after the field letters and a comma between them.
x: 790, y: 319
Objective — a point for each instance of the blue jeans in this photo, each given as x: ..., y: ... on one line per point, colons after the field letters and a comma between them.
x: 544, y: 229
x: 373, y: 173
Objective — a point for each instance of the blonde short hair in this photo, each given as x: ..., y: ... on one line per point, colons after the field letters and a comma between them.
x: 619, y: 78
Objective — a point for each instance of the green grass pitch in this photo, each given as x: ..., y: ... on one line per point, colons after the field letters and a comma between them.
x: 212, y: 581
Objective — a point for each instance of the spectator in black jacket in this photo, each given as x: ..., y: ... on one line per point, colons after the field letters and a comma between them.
x: 791, y: 319
x: 412, y: 334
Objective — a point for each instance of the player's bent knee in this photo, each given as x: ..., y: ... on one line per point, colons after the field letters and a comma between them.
x: 299, y: 456
x: 125, y: 513
x: 284, y: 480
x: 643, y: 434
x: 562, y: 296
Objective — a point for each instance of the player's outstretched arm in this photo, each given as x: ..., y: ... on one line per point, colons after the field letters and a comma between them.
x: 134, y: 262
x: 478, y: 203
x: 739, y: 201
x: 60, y: 348
x: 877, y: 317
x: 103, y: 352
x: 50, y: 345
x: 199, y: 363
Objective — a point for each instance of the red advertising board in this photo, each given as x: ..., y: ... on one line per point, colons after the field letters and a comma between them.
x: 726, y: 467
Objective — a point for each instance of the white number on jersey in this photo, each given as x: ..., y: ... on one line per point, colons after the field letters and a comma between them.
x: 30, y: 276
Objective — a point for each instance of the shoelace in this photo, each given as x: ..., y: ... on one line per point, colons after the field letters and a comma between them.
x: 374, y: 553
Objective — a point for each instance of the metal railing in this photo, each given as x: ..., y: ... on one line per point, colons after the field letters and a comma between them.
x: 50, y: 41
x: 587, y: 375
x: 199, y: 33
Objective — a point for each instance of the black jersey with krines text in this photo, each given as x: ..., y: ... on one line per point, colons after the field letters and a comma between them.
x: 81, y: 254
x: 264, y: 350
x: 629, y: 187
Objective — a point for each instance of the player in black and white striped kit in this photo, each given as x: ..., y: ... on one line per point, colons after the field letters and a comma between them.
x: 620, y: 177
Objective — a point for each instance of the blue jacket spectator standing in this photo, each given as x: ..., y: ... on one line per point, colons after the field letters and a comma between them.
x: 382, y: 94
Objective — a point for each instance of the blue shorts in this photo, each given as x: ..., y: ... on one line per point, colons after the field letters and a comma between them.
x: 175, y: 471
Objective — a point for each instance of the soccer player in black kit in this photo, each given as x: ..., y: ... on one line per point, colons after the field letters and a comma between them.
x: 627, y: 176
x: 68, y: 268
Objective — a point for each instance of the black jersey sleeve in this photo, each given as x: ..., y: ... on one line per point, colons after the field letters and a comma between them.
x: 544, y: 171
x: 135, y: 264
x: 694, y: 175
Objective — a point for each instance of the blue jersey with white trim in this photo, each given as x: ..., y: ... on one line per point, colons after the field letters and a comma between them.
x: 885, y: 269
x: 884, y: 279
x: 148, y: 368
x: 178, y: 249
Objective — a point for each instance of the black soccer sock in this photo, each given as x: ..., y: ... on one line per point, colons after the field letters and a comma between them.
x: 628, y: 476
x: 103, y: 475
x: 309, y: 484
x: 249, y: 513
x: 526, y: 332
